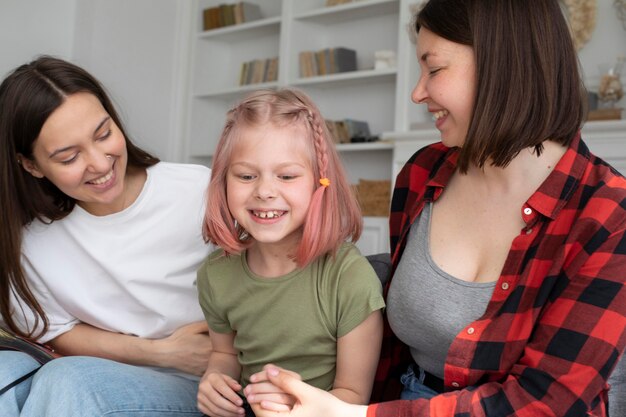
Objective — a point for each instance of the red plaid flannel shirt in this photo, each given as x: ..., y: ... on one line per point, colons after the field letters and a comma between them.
x: 555, y: 325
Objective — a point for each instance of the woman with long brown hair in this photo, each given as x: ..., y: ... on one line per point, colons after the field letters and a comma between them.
x: 99, y: 246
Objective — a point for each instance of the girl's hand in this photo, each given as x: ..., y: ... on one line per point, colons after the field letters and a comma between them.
x: 217, y: 396
x: 261, y: 389
x: 187, y: 349
x: 310, y: 401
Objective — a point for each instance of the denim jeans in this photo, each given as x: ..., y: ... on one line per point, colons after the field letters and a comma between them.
x: 92, y: 387
x: 414, y: 387
x: 14, y: 365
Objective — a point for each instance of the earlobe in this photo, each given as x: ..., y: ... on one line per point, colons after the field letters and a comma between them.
x: 29, y: 166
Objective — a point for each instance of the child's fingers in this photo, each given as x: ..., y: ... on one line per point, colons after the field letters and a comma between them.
x: 272, y: 406
x: 287, y: 371
x: 262, y: 412
x: 258, y: 377
x: 217, y: 396
x: 261, y: 376
x: 261, y: 388
x: 276, y: 398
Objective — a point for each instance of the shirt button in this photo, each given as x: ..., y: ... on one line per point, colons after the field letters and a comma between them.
x: 528, y: 211
x: 505, y: 286
x: 455, y: 384
x: 470, y: 330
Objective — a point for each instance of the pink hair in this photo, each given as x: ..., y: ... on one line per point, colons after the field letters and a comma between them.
x: 333, y: 215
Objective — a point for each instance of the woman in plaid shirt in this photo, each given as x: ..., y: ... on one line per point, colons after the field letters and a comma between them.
x: 507, y: 238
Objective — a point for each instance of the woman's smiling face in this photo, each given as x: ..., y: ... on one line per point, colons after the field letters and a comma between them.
x: 83, y: 153
x: 447, y: 84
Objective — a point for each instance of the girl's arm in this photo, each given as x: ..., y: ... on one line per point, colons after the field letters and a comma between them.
x: 187, y: 349
x: 217, y: 392
x: 357, y: 359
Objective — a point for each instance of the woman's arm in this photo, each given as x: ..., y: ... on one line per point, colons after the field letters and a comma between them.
x: 310, y: 401
x: 357, y: 359
x: 187, y: 349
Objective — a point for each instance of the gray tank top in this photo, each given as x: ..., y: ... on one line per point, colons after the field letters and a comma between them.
x: 426, y: 307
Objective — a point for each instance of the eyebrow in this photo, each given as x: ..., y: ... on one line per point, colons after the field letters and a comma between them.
x: 67, y: 148
x: 251, y: 165
x: 425, y: 56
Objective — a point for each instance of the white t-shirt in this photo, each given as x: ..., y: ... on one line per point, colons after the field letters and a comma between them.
x: 131, y: 272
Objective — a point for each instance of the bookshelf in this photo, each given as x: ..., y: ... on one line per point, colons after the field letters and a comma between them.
x: 288, y: 27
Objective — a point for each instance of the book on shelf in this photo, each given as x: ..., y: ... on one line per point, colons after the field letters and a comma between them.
x: 259, y: 71
x: 349, y: 131
x: 327, y: 61
x: 337, y: 2
x: 40, y: 352
x: 230, y: 14
x: 246, y: 12
x: 344, y: 60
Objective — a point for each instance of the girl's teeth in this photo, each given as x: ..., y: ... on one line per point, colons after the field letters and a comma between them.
x: 267, y: 214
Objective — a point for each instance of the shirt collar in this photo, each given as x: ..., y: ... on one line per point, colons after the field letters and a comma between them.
x: 549, y: 198
x: 556, y: 190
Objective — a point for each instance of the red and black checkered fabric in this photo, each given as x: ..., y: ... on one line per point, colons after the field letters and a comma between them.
x: 555, y: 325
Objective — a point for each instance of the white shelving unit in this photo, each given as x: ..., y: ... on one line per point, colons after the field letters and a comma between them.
x: 287, y: 28
x: 381, y: 97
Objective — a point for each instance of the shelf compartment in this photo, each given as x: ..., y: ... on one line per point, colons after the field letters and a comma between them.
x: 243, y: 31
x: 347, y: 78
x: 350, y: 11
x: 229, y: 93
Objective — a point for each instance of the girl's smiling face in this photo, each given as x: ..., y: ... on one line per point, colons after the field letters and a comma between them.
x: 81, y: 150
x: 270, y: 182
x: 447, y: 84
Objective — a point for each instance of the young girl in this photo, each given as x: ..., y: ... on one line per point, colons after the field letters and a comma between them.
x: 285, y: 288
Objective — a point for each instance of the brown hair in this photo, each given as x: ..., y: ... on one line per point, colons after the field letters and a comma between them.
x: 528, y: 85
x: 28, y: 96
x: 333, y: 215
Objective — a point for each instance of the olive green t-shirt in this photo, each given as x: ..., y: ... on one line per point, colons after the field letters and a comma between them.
x: 294, y: 320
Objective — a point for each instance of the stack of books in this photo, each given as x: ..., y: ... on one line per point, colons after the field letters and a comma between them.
x: 230, y: 14
x: 327, y: 61
x: 349, y: 131
x: 259, y: 71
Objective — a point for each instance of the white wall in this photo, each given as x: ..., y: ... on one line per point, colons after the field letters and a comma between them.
x: 138, y: 50
x: 33, y: 27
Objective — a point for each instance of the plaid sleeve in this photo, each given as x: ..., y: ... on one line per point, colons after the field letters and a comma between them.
x: 575, y: 345
x: 549, y: 346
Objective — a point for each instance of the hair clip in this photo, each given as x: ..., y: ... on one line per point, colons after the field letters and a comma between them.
x: 325, y: 182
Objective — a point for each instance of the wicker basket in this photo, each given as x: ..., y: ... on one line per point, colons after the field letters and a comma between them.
x: 374, y: 197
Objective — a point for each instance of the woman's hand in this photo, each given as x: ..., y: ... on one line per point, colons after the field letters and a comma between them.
x: 187, y: 349
x: 261, y: 389
x: 310, y: 401
x: 217, y: 396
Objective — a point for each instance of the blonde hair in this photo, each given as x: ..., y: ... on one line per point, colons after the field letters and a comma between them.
x: 333, y: 215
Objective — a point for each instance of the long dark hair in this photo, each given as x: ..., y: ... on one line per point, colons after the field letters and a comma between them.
x: 528, y: 84
x: 28, y: 96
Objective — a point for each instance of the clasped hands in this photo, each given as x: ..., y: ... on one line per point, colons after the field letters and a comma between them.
x: 218, y: 395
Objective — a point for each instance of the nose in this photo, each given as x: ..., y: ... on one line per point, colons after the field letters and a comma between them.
x: 419, y: 93
x: 265, y: 189
x: 100, y: 161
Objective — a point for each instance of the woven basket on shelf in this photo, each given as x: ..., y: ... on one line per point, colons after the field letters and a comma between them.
x: 374, y: 197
